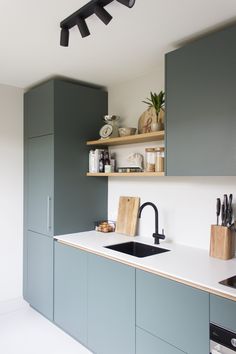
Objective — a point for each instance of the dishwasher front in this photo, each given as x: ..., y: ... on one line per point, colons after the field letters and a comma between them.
x: 222, y: 341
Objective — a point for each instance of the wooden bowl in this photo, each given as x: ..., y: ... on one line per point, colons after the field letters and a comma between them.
x: 125, y: 131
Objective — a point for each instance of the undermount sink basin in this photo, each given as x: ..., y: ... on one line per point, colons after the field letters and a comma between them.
x: 137, y: 249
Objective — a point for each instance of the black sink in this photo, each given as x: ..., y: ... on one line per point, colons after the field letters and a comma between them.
x: 137, y: 249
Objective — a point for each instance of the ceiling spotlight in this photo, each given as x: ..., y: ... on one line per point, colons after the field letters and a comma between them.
x: 101, y: 13
x: 83, y: 28
x: 64, y: 41
x: 128, y: 3
x: 78, y: 17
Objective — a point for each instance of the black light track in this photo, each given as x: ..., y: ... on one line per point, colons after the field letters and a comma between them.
x: 84, y: 12
x: 78, y: 18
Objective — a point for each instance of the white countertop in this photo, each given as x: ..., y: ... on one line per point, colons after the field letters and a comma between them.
x: 188, y: 265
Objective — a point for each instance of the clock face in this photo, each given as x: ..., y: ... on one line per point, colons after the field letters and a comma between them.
x: 106, y: 131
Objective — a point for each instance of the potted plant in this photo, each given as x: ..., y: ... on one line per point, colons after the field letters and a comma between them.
x: 156, y: 103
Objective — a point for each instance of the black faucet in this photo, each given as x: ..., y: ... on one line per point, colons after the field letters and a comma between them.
x: 156, y: 234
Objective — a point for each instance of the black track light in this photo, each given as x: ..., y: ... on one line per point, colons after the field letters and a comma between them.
x: 83, y: 28
x: 101, y: 13
x: 128, y: 3
x: 78, y: 17
x: 64, y: 41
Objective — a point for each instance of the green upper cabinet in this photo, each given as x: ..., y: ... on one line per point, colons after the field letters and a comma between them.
x: 39, y: 110
x: 111, y: 306
x: 175, y: 313
x: 201, y: 106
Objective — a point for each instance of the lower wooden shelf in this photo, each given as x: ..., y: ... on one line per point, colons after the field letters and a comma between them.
x: 127, y: 174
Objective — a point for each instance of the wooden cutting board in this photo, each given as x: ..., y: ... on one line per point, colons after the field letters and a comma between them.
x: 127, y: 215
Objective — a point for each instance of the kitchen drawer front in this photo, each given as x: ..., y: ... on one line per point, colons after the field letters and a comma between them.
x: 70, y: 290
x: 173, y: 312
x: 40, y: 273
x: 147, y: 343
x: 39, y: 110
x: 223, y: 312
x: 111, y: 306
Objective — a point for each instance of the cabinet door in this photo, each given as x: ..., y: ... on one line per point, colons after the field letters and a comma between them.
x: 77, y: 118
x: 223, y: 312
x: 176, y: 313
x: 40, y: 273
x: 111, y: 306
x: 201, y: 106
x: 147, y: 343
x: 70, y: 290
x: 40, y: 185
x: 39, y: 110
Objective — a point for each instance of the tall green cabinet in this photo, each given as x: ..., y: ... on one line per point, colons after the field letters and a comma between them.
x: 59, y: 116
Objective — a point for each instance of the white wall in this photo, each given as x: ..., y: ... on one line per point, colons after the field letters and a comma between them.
x: 11, y: 192
x: 186, y: 204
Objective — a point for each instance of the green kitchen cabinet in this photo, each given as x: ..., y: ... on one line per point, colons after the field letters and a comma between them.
x: 111, y: 306
x: 40, y: 184
x: 147, y: 343
x: 59, y: 117
x: 201, y: 106
x: 40, y: 273
x: 59, y: 194
x: 223, y: 312
x: 70, y: 290
x: 39, y: 110
x: 175, y: 313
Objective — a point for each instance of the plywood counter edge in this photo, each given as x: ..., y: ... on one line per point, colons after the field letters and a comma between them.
x: 156, y: 272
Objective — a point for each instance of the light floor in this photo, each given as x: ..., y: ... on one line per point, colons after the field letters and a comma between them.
x: 24, y: 331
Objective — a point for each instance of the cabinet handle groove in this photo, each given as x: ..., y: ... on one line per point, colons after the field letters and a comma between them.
x: 49, y: 226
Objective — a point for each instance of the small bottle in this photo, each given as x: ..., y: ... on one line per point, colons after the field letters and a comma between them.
x: 150, y: 159
x: 159, y: 166
x: 107, y: 163
x: 113, y: 162
x: 106, y: 158
x: 92, y: 161
x: 101, y: 162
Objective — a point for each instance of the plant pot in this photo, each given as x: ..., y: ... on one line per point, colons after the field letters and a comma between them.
x: 148, y: 118
x: 156, y: 127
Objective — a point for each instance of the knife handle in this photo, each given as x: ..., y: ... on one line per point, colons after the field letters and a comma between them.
x: 218, y: 207
x: 223, y: 214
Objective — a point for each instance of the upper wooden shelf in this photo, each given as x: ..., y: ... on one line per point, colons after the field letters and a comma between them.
x: 130, y: 139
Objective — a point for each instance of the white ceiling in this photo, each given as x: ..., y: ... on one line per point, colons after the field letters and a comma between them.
x: 131, y: 45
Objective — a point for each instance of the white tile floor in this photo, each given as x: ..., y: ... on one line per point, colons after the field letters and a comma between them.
x: 24, y: 331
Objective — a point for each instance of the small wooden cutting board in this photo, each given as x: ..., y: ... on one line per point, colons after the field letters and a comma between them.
x: 127, y: 215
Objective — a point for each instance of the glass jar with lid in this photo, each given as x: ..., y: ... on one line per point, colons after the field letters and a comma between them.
x: 150, y: 159
x: 160, y: 157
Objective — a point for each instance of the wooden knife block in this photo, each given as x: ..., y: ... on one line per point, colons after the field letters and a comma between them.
x: 222, y: 244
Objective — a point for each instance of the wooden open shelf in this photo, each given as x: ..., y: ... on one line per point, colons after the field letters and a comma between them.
x: 127, y: 174
x: 130, y: 139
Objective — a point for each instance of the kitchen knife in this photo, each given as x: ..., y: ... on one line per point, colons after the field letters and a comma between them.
x: 225, y: 202
x: 218, y: 207
x: 230, y: 211
x: 222, y: 214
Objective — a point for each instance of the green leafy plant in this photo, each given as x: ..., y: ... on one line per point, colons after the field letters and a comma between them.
x: 156, y: 101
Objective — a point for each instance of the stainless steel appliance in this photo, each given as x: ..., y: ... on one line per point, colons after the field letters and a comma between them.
x: 222, y: 340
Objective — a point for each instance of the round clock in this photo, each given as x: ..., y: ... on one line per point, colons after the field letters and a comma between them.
x: 106, y: 131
